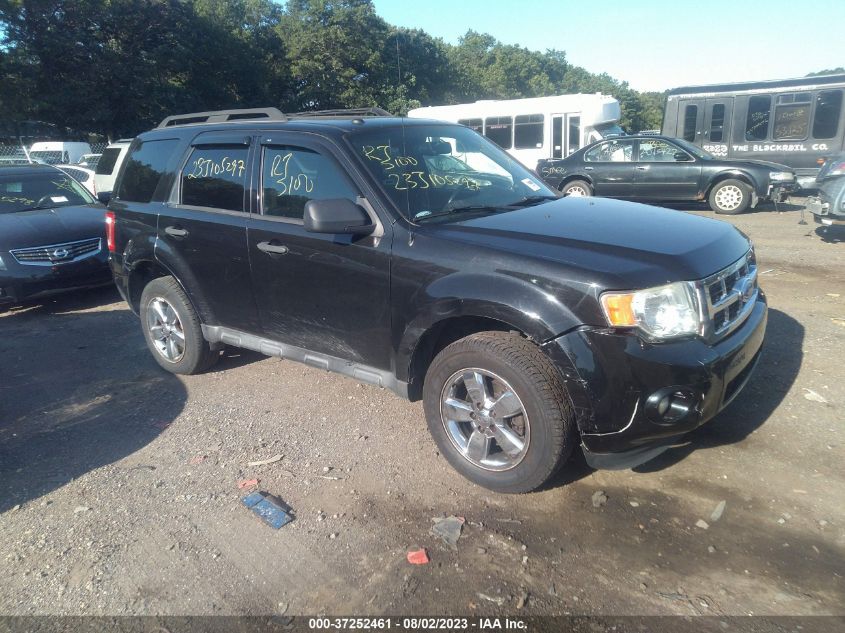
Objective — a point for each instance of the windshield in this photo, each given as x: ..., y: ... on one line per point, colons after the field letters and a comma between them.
x: 51, y: 158
x: 23, y: 192
x: 439, y: 171
x: 695, y: 150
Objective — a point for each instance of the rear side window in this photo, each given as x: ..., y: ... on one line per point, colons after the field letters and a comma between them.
x: 499, y: 130
x: 792, y: 117
x: 528, y: 131
x: 291, y: 176
x: 145, y: 165
x: 214, y: 177
x: 108, y: 160
x: 828, y: 109
x: 757, y: 121
x: 611, y: 152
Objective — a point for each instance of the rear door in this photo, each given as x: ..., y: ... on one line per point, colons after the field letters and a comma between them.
x: 690, y: 125
x: 203, y: 228
x: 610, y: 165
x: 664, y: 171
x: 319, y: 292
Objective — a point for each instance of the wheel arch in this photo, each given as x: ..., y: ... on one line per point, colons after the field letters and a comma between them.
x: 566, y: 180
x: 735, y: 174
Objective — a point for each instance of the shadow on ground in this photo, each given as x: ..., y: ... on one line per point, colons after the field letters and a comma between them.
x: 78, y: 390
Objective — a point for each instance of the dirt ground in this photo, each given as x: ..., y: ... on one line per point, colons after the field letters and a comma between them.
x: 118, y: 481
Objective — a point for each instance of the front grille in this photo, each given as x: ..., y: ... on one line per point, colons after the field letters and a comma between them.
x: 729, y: 296
x: 55, y: 254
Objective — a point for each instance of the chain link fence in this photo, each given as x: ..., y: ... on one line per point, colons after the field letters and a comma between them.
x: 14, y: 154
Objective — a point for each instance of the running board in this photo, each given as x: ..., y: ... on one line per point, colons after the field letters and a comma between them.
x: 361, y: 373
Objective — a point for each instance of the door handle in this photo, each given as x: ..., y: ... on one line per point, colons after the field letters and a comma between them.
x: 272, y: 249
x: 643, y: 167
x: 175, y: 231
x: 588, y: 169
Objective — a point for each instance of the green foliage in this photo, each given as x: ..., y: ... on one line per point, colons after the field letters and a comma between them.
x: 119, y: 66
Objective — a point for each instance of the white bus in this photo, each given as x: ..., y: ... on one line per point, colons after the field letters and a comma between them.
x: 538, y: 127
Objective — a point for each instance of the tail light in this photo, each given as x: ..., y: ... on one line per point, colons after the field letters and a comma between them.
x: 110, y: 231
x: 837, y: 169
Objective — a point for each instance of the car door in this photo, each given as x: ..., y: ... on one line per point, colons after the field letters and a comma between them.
x: 664, y: 171
x: 610, y: 166
x: 202, y: 229
x: 323, y: 293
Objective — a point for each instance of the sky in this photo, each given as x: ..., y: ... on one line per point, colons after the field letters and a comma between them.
x: 651, y: 44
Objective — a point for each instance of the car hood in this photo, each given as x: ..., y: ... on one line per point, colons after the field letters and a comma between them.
x: 621, y: 245
x: 43, y: 227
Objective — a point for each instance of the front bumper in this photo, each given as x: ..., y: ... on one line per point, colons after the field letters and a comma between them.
x: 611, y: 377
x: 21, y: 282
x: 778, y: 192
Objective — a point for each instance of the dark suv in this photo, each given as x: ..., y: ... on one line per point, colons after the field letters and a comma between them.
x: 418, y: 256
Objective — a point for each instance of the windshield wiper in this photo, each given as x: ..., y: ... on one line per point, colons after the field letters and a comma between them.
x: 529, y: 200
x: 425, y: 215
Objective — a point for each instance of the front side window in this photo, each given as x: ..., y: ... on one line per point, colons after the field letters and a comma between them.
x: 445, y: 172
x: 528, y: 131
x: 45, y: 190
x: 291, y: 176
x: 757, y: 121
x: 214, y: 176
x: 658, y: 151
x: 611, y: 152
x: 826, y: 118
x: 690, y: 120
x: 145, y: 165
x: 499, y: 129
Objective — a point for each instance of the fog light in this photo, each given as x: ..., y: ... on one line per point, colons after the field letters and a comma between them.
x: 671, y: 405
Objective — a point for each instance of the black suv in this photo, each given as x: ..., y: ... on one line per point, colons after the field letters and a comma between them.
x: 660, y: 169
x: 418, y: 256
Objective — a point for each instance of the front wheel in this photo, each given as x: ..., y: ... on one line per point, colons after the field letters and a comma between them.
x: 172, y: 329
x: 730, y: 197
x: 499, y: 412
x: 577, y: 188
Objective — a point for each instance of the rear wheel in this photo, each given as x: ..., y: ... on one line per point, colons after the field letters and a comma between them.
x: 730, y: 197
x: 499, y: 411
x: 172, y: 329
x: 577, y: 188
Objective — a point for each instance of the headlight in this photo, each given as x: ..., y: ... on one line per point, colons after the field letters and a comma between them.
x: 664, y: 312
x: 781, y: 176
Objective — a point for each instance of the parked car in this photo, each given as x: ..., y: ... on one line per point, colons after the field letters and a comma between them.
x: 109, y: 165
x: 662, y: 169
x: 828, y: 207
x: 83, y: 176
x: 52, y: 235
x: 530, y: 325
x: 58, y: 152
x: 89, y: 161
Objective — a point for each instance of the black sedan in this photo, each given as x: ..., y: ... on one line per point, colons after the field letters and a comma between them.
x: 52, y: 235
x: 662, y: 169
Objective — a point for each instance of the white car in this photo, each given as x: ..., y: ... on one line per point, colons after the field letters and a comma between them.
x: 82, y: 175
x: 109, y: 164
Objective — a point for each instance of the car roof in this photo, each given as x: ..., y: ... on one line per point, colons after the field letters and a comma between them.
x: 326, y: 125
x: 22, y: 170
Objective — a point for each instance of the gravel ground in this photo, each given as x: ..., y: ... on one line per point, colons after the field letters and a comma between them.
x: 119, y: 495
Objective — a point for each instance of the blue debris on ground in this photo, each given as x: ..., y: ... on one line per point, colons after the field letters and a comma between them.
x: 272, y: 510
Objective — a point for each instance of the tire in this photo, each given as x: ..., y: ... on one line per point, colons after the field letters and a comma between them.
x: 730, y: 197
x: 166, y: 310
x: 576, y: 188
x: 545, y: 426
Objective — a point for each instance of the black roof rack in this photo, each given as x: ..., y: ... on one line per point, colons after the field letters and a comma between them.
x: 223, y: 116
x: 346, y: 113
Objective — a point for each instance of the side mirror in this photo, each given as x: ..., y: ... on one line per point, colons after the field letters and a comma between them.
x: 682, y: 157
x: 338, y: 216
x: 104, y: 196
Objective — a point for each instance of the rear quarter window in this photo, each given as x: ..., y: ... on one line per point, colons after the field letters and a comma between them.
x: 144, y: 167
x: 108, y: 160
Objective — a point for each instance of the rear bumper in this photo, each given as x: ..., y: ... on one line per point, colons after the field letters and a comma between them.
x: 616, y: 380
x: 22, y: 282
x: 829, y: 206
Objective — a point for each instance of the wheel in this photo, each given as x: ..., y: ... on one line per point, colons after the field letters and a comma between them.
x: 499, y: 412
x: 730, y: 197
x: 172, y: 328
x: 578, y: 188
